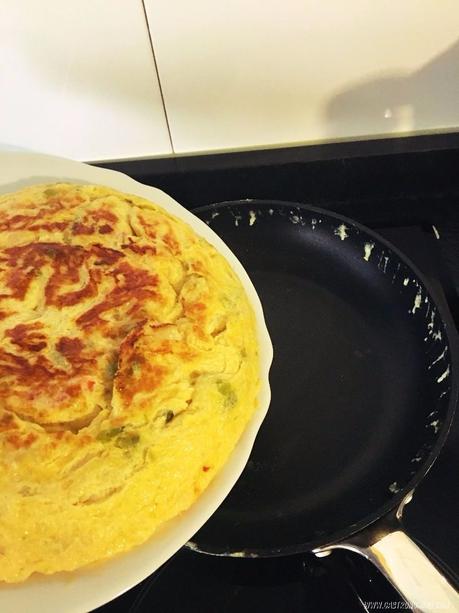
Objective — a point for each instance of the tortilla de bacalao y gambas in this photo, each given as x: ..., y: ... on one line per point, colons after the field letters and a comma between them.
x: 128, y: 371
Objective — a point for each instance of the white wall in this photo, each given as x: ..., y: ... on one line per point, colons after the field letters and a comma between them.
x: 77, y: 78
x: 240, y: 73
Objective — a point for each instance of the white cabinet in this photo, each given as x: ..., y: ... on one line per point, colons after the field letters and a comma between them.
x: 78, y: 79
x: 246, y: 73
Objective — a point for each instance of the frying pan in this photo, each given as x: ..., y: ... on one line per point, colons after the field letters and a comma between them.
x: 364, y: 385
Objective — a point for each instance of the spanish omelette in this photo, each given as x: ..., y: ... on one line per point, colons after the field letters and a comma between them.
x: 128, y: 370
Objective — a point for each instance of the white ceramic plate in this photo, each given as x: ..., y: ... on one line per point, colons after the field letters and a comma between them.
x: 84, y: 590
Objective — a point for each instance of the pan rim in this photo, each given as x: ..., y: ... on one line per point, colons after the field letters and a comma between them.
x: 424, y: 468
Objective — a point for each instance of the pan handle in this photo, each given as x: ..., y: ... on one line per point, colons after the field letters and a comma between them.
x: 391, y: 550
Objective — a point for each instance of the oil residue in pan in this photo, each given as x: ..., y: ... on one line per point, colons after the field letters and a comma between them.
x: 361, y: 379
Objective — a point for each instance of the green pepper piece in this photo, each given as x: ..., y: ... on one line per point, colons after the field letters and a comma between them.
x: 127, y: 439
x: 227, y: 391
x: 107, y: 435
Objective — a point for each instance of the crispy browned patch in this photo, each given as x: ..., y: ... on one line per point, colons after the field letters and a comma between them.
x: 172, y: 243
x: 131, y: 359
x: 195, y: 310
x: 100, y: 221
x: 7, y: 422
x: 79, y: 228
x: 104, y: 215
x: 140, y: 249
x: 23, y: 264
x: 71, y: 349
x: 127, y: 386
x: 27, y: 336
x: 38, y: 374
x: 21, y: 441
x: 34, y: 220
x: 131, y: 284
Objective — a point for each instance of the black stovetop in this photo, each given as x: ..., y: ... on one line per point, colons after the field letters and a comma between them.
x: 412, y: 220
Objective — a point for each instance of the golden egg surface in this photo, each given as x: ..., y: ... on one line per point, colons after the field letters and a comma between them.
x: 128, y: 371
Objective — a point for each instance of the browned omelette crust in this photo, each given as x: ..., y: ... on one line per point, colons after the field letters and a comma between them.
x: 115, y: 321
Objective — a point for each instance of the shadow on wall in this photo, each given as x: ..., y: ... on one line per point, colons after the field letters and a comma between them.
x: 401, y: 102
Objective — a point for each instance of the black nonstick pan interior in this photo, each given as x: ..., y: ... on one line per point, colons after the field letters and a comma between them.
x: 362, y: 380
